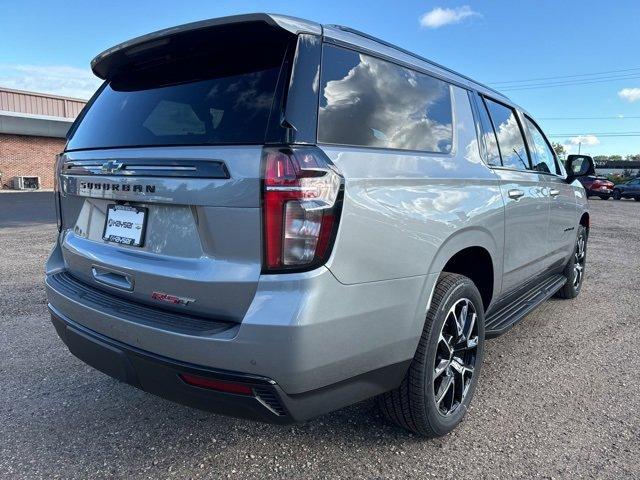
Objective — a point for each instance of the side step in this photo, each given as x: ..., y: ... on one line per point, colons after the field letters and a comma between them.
x: 503, y: 319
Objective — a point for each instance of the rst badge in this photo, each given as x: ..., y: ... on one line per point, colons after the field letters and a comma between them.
x: 172, y: 299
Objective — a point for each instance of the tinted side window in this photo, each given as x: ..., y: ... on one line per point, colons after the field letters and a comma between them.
x: 543, y: 159
x: 510, y: 138
x: 365, y: 101
x: 489, y: 137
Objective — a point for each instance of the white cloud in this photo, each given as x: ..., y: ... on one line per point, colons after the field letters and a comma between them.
x: 630, y: 94
x: 439, y: 17
x: 56, y: 79
x: 588, y: 140
x: 390, y: 104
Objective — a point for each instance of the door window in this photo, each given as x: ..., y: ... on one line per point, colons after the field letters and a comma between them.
x: 542, y: 156
x: 489, y: 137
x: 510, y: 139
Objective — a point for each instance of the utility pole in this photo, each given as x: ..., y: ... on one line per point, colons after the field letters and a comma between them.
x: 579, y: 146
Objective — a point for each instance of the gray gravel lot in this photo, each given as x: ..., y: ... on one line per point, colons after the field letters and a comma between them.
x: 559, y: 395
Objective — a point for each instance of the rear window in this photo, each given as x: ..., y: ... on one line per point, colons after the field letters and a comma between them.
x: 222, y: 96
x: 365, y: 101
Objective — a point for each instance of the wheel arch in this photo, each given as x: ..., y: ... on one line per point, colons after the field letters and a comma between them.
x: 585, y: 220
x: 474, y: 254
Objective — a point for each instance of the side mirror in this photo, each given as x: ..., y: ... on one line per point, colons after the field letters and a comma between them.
x: 579, y: 166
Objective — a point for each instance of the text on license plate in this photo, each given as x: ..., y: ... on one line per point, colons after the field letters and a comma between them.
x: 125, y: 224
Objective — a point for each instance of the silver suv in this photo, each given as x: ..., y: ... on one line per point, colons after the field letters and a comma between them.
x: 270, y: 218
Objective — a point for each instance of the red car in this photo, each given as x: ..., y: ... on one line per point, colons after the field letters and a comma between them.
x: 598, y: 187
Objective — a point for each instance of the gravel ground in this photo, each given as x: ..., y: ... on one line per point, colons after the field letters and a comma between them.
x: 559, y: 395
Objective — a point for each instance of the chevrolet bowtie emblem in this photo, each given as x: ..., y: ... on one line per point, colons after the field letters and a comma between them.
x: 111, y: 166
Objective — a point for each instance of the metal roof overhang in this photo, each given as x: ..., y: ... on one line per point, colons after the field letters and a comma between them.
x: 34, y: 125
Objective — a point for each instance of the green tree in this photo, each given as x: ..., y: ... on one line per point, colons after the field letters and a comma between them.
x: 559, y: 149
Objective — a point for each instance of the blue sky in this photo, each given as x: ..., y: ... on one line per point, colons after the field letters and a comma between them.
x: 47, y: 46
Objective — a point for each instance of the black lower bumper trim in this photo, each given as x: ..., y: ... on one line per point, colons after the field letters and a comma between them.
x: 269, y: 403
x: 160, y: 376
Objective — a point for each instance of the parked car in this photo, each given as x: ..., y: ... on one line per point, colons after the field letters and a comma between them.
x: 270, y: 218
x: 628, y: 189
x: 597, y: 187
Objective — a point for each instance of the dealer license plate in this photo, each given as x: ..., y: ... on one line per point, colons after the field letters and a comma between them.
x: 125, y: 225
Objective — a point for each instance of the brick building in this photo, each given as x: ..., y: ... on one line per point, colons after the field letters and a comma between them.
x: 32, y: 131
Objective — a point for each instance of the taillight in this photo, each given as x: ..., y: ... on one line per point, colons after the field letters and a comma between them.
x: 301, y: 207
x: 56, y: 190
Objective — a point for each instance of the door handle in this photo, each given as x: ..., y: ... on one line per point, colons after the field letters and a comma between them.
x: 515, y: 193
x: 554, y: 192
x: 112, y: 279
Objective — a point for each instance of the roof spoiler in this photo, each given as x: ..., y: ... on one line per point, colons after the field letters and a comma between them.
x: 111, y: 60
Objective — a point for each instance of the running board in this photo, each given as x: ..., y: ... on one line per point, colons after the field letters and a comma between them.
x: 502, y: 320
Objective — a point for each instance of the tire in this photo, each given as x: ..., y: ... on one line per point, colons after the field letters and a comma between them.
x: 604, y: 197
x: 413, y: 404
x: 574, y: 271
x: 617, y: 195
x: 637, y: 199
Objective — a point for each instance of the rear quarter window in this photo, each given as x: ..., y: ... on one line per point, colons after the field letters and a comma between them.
x: 369, y: 102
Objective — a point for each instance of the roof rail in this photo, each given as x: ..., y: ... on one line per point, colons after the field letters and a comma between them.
x: 414, y: 55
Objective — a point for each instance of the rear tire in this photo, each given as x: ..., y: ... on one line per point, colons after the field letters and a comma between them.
x: 604, y: 197
x: 439, y: 385
x: 574, y: 271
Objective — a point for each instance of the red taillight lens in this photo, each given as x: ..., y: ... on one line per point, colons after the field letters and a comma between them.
x: 219, y: 385
x: 301, y: 207
x: 56, y: 189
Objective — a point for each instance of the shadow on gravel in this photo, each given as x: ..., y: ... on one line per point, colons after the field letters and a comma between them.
x: 123, y: 409
x: 118, y: 430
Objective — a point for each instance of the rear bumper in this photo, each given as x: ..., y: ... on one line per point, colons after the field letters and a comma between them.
x: 323, y: 344
x: 602, y: 191
x: 161, y: 376
x: 305, y: 331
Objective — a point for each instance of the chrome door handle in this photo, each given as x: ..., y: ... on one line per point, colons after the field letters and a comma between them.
x: 554, y: 192
x: 515, y: 193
